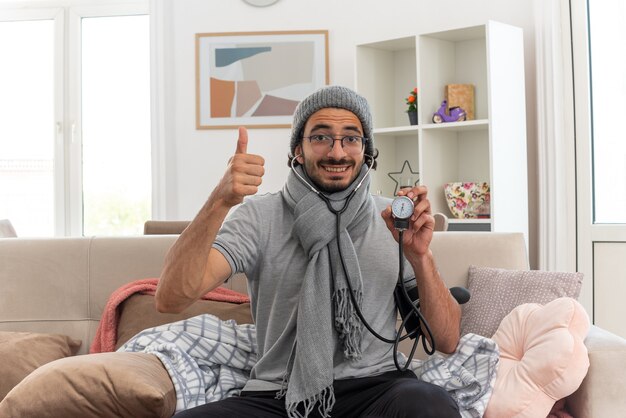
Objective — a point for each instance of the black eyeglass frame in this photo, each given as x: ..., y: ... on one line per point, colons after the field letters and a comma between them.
x: 364, y: 139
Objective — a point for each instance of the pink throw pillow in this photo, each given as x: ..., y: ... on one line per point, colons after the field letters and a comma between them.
x: 543, y: 358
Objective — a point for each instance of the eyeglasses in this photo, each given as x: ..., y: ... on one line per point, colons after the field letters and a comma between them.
x: 322, y: 144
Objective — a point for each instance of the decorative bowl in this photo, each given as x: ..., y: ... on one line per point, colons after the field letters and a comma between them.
x: 468, y: 200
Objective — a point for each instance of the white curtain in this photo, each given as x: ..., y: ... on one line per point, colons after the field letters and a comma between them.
x: 555, y: 137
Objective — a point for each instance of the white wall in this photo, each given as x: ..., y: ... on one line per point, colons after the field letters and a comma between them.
x: 194, y: 160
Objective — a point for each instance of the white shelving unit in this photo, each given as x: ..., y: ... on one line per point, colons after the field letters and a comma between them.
x: 490, y: 148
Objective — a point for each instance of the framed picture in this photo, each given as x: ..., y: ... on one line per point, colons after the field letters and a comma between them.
x: 256, y: 79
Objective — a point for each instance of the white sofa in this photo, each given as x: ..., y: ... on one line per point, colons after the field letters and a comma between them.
x: 61, y: 285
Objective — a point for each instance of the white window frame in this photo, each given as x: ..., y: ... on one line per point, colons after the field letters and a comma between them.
x: 57, y: 15
x: 588, y: 232
x: 67, y: 16
x: 74, y: 214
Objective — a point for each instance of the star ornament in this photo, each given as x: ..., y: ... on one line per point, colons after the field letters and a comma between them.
x: 406, y: 177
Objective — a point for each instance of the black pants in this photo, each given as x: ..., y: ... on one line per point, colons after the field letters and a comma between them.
x: 392, y: 394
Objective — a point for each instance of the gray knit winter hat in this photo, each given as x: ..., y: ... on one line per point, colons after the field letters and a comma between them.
x: 338, y: 97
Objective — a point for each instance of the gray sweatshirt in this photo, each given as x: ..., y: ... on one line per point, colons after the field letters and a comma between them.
x: 256, y: 240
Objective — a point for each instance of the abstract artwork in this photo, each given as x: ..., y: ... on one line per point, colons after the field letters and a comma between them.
x: 256, y: 79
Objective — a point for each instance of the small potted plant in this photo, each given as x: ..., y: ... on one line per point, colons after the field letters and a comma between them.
x: 411, y: 101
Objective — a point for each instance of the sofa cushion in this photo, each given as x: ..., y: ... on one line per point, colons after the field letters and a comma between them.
x: 543, y: 358
x: 94, y: 385
x: 138, y: 312
x: 495, y: 292
x: 23, y: 352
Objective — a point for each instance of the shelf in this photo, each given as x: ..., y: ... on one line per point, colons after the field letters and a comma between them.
x: 476, y: 225
x: 469, y: 221
x: 393, y: 45
x: 469, y: 125
x: 459, y: 35
x: 489, y: 148
x: 387, y: 71
x: 465, y: 126
x: 396, y: 131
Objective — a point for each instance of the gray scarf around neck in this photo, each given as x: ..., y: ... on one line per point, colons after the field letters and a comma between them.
x: 309, y: 375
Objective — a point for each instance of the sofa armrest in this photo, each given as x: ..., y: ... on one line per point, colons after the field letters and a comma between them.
x: 603, y: 391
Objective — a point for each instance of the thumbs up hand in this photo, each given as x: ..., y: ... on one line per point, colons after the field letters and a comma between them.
x: 243, y: 175
x: 242, y: 141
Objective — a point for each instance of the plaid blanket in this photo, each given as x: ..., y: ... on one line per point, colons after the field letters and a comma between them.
x: 209, y: 359
x: 468, y: 374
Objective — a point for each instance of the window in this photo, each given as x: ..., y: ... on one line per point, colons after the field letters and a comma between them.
x: 115, y: 124
x: 599, y: 76
x: 75, y: 155
x: 607, y: 36
x: 27, y: 133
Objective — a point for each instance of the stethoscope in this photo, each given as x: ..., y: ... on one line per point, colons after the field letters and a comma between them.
x: 402, y: 208
x: 322, y: 196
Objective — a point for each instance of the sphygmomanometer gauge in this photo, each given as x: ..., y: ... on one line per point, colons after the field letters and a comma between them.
x: 402, y: 209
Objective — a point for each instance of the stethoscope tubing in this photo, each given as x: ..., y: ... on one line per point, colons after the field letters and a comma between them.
x: 415, y: 308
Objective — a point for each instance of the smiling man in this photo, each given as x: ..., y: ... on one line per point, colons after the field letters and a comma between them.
x: 307, y: 284
x: 332, y: 168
